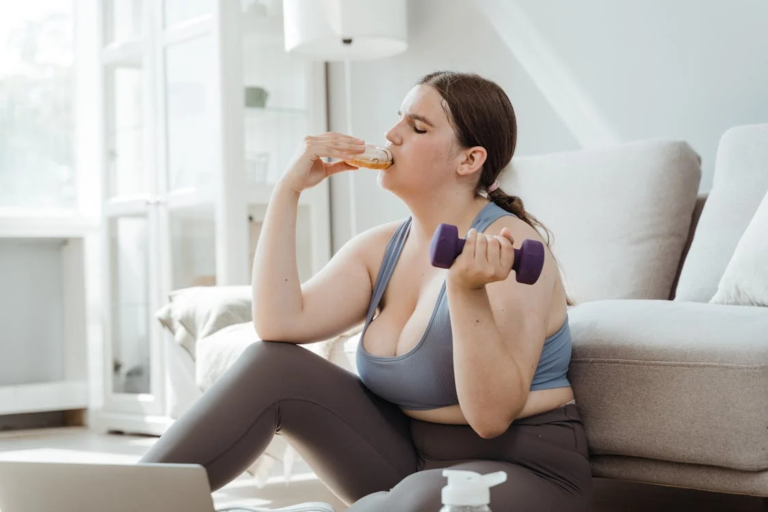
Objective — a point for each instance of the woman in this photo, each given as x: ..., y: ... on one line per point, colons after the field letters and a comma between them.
x: 482, y: 389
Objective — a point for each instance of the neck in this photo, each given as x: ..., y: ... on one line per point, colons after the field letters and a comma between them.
x: 430, y: 211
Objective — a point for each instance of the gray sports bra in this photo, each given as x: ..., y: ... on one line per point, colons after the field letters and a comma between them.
x: 424, y: 378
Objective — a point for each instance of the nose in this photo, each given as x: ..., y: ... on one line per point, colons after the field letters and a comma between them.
x: 392, y: 136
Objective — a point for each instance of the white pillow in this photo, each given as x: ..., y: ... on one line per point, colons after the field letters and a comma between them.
x: 194, y: 313
x: 745, y: 280
x: 650, y: 189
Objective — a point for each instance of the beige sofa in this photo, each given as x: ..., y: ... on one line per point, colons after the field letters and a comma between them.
x: 672, y: 390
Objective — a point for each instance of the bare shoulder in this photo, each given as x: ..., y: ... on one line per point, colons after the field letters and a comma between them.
x: 374, y: 241
x: 522, y: 231
x: 371, y: 244
x: 550, y: 278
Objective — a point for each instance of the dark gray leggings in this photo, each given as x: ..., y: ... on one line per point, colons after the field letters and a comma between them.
x: 370, y: 454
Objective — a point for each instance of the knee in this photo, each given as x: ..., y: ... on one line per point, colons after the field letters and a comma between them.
x: 258, y: 363
x: 272, y: 354
x: 261, y: 347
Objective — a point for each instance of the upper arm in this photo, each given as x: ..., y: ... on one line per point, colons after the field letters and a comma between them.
x: 337, y: 297
x: 521, y: 311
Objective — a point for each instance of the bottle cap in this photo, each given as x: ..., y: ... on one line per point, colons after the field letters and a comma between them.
x: 467, y: 488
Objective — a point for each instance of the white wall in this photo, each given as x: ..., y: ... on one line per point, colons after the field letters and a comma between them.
x: 648, y: 68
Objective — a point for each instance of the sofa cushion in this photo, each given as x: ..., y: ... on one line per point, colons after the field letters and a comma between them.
x: 745, y: 280
x: 619, y: 215
x: 675, y: 474
x: 672, y: 380
x: 739, y: 184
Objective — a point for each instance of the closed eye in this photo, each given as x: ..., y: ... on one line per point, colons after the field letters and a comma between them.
x: 411, y: 118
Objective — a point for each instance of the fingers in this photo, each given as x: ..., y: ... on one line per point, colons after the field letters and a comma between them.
x: 341, y: 151
x: 350, y: 152
x: 339, y: 141
x: 334, y: 145
x: 484, y: 259
x: 493, y: 253
x: 481, y: 248
x: 469, y: 245
x: 337, y: 167
x: 506, y: 254
x: 334, y: 137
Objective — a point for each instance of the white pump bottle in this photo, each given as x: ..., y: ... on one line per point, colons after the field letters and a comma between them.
x: 468, y: 491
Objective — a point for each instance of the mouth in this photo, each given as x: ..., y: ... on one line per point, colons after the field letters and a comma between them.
x: 392, y: 157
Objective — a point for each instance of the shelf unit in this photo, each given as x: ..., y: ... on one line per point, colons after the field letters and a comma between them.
x: 48, y: 255
x: 188, y: 170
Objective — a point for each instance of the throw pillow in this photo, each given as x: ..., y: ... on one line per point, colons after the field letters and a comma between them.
x: 194, y: 313
x: 745, y: 280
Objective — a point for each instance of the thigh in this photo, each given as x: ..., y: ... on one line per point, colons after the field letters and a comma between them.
x: 355, y: 441
x: 523, y: 491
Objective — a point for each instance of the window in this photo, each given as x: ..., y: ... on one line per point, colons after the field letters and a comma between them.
x: 36, y: 105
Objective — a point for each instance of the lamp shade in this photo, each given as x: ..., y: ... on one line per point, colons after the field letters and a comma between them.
x: 345, y: 29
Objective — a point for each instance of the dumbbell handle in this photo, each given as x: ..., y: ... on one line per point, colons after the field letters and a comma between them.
x: 446, y: 247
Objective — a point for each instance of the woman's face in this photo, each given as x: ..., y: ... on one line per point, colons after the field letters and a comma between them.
x: 423, y: 145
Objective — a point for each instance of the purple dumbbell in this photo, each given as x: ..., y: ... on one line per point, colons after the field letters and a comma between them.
x: 446, y: 246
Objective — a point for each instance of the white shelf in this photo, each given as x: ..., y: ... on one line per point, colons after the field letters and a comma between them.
x: 44, y: 396
x: 127, y: 205
x: 190, y: 197
x: 47, y: 227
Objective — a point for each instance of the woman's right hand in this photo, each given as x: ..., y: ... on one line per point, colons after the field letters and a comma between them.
x: 306, y: 169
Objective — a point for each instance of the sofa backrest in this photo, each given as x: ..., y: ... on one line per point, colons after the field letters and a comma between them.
x: 691, y: 231
x: 739, y: 184
x: 620, y: 215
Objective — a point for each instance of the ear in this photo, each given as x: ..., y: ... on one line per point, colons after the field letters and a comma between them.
x: 473, y: 160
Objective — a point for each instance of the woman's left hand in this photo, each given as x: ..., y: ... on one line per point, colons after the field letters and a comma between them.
x: 484, y: 259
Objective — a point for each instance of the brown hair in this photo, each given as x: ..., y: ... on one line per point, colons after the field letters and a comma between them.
x: 482, y: 115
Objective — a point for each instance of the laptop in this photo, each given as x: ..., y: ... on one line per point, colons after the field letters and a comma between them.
x: 84, y: 487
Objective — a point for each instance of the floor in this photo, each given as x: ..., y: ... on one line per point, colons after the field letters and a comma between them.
x: 78, y: 444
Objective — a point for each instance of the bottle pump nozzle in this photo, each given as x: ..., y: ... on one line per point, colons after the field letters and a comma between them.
x: 468, y: 488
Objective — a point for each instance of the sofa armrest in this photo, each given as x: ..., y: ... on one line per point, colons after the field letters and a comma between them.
x: 672, y: 380
x: 686, y: 332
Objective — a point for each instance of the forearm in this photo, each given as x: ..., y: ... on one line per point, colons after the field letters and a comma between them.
x: 488, y: 380
x: 275, y: 279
